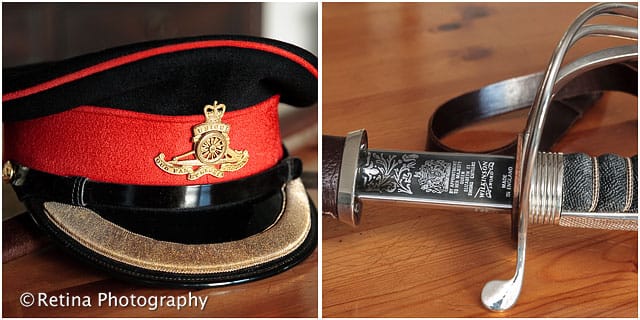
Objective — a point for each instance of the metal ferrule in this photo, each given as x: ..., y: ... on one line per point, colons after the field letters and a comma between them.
x: 545, y: 204
x: 349, y: 206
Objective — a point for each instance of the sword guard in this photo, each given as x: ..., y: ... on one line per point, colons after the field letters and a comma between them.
x: 500, y: 295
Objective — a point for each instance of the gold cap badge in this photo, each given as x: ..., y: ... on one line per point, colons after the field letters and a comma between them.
x: 211, y: 153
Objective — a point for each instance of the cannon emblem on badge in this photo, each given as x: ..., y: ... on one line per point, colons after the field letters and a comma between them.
x: 211, y: 152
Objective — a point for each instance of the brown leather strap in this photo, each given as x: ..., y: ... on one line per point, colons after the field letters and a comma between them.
x: 20, y: 236
x: 518, y: 93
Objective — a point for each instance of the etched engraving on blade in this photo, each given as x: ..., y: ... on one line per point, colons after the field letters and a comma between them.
x: 389, y: 173
x: 433, y: 176
x: 448, y: 178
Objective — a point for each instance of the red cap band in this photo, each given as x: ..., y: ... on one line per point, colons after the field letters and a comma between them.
x: 118, y: 146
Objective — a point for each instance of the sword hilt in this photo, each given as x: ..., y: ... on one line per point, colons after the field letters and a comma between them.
x: 576, y: 190
x: 500, y: 295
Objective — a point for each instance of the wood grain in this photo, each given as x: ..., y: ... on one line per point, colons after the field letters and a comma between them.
x: 386, y: 67
x: 51, y: 271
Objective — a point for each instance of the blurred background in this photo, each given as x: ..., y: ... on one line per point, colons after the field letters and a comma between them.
x: 37, y: 32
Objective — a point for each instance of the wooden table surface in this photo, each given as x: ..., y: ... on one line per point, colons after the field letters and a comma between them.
x: 385, y: 68
x: 50, y: 270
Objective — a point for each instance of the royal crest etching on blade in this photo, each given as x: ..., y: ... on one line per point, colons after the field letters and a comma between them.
x: 211, y: 153
x: 433, y: 176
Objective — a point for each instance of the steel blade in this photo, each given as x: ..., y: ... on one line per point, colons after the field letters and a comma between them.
x: 477, y: 180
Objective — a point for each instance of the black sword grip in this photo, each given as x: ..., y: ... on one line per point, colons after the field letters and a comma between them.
x: 332, y: 149
x: 608, y: 183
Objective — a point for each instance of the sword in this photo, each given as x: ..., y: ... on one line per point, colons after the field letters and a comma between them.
x: 573, y: 190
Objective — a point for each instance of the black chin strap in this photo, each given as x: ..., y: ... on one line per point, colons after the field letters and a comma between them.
x: 80, y: 191
x: 518, y: 93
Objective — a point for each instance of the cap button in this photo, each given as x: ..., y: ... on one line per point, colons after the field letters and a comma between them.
x: 7, y: 171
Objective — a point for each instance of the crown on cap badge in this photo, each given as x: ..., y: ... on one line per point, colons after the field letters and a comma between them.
x: 211, y: 153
